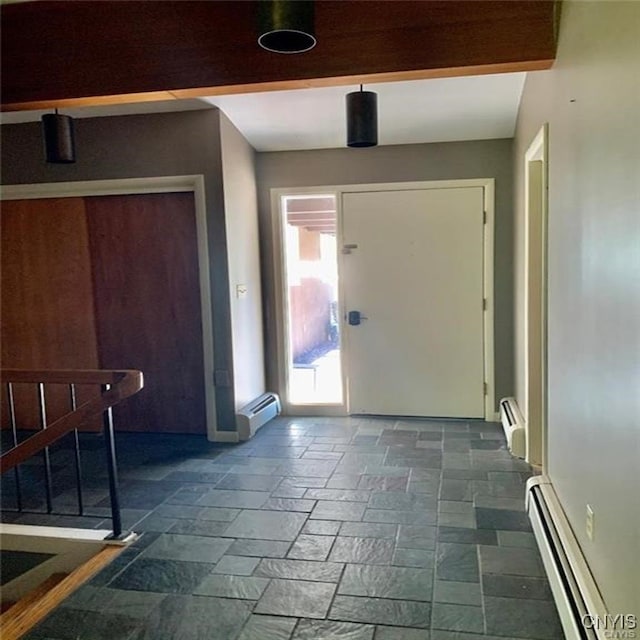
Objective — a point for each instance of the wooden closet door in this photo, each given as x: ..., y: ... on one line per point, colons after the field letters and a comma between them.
x: 47, y: 299
x: 144, y: 258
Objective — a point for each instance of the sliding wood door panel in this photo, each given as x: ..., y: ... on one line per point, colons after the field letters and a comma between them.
x: 47, y: 299
x: 144, y: 260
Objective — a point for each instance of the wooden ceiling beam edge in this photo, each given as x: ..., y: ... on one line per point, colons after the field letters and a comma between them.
x: 286, y: 85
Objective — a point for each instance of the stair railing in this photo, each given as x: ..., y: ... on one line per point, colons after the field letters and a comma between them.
x: 115, y: 386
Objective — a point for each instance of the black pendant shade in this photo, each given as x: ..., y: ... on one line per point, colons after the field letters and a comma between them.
x: 59, y: 140
x: 286, y: 26
x: 362, y: 119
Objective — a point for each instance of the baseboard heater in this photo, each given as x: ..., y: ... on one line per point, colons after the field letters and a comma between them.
x: 574, y: 590
x: 513, y: 425
x: 256, y: 414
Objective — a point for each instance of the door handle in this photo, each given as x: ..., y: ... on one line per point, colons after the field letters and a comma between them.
x: 355, y: 318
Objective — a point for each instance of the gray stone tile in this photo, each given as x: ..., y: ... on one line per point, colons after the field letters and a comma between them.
x: 219, y: 514
x: 398, y: 613
x: 321, y: 447
x: 305, y: 482
x: 391, y: 472
x: 362, y: 550
x: 397, y: 583
x: 401, y: 501
x: 332, y: 630
x: 289, y: 504
x: 235, y: 499
x: 519, y: 618
x: 308, y: 468
x: 206, y: 478
x: 266, y: 525
x: 162, y: 576
x: 267, y: 628
x: 502, y: 519
x: 457, y: 617
x: 454, y: 506
x: 369, y: 530
x: 400, y: 633
x: 517, y: 539
x: 516, y: 587
x: 322, y: 455
x: 452, y: 489
x: 188, y: 548
x: 467, y: 536
x: 296, y: 598
x: 154, y: 522
x: 441, y: 634
x: 511, y: 561
x: 416, y: 537
x: 401, y: 517
x: 343, y: 481
x: 68, y: 624
x: 489, y: 502
x: 458, y: 592
x: 228, y: 586
x: 349, y: 495
x: 462, y: 520
x: 464, y: 474
x: 421, y: 558
x: 334, y: 510
x: 259, y: 548
x: 194, y: 618
x: 458, y: 562
x: 300, y: 570
x: 310, y: 547
x: 322, y: 527
x: 178, y: 511
x: 236, y: 565
x: 132, y: 604
x: 210, y: 528
x: 287, y: 491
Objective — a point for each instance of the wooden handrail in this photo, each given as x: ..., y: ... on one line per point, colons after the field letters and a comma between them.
x: 123, y: 384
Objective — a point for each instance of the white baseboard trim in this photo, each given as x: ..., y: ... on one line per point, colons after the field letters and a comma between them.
x: 224, y: 436
x: 574, y: 589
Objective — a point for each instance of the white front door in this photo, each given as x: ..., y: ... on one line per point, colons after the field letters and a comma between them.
x: 413, y: 268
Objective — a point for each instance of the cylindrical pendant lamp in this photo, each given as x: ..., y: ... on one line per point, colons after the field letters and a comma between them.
x: 59, y: 141
x: 286, y: 26
x: 362, y: 119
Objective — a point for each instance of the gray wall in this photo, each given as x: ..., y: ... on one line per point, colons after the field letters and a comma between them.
x: 241, y: 216
x: 402, y: 163
x: 140, y: 146
x: 591, y: 100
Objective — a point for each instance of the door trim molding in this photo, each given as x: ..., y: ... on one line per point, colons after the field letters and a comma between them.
x: 488, y: 186
x: 535, y: 171
x: 136, y: 186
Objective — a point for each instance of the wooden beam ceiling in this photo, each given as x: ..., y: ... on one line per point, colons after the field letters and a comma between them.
x: 75, y: 53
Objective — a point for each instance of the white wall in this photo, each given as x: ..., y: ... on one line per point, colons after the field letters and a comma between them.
x: 591, y: 99
x: 241, y: 219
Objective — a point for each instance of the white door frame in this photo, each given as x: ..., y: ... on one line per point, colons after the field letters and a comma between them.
x: 281, y: 314
x: 137, y: 186
x: 535, y: 297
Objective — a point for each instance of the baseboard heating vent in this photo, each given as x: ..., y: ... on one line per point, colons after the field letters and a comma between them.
x: 256, y: 414
x: 574, y: 590
x: 513, y: 425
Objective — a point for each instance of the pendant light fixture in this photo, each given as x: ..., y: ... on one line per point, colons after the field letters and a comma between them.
x: 362, y: 119
x: 59, y: 141
x: 286, y: 26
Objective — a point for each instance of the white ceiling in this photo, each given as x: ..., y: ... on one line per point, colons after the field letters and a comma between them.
x: 439, y: 110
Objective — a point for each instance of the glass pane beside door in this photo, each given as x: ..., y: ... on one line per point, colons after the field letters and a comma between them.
x: 311, y: 283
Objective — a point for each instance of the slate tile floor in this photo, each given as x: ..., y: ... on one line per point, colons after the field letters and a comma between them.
x: 318, y: 528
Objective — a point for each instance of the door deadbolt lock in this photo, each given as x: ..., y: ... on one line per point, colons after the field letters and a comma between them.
x: 354, y: 318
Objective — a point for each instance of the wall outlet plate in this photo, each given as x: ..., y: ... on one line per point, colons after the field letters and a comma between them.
x: 590, y: 522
